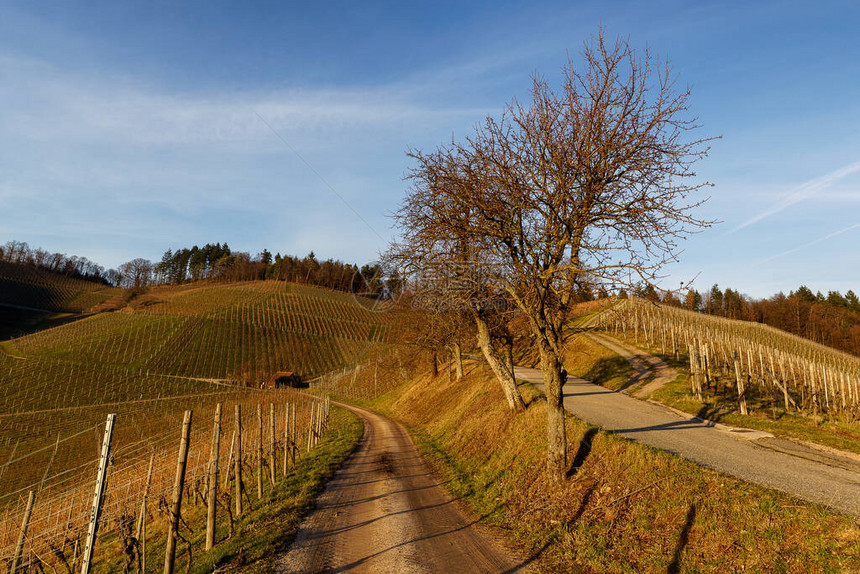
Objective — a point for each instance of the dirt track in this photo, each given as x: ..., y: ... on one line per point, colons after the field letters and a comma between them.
x: 384, y: 511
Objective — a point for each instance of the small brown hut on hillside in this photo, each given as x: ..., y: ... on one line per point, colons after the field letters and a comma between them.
x: 285, y: 379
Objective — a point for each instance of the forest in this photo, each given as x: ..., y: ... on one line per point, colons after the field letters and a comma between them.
x: 210, y: 262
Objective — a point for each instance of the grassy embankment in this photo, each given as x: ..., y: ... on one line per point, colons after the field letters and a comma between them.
x: 625, y: 508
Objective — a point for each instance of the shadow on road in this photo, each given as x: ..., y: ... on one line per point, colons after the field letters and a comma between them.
x: 675, y: 425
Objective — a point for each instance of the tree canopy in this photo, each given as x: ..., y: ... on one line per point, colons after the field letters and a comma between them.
x: 590, y: 184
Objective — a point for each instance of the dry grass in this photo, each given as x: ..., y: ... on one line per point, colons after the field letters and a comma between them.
x: 626, y: 507
x: 586, y: 359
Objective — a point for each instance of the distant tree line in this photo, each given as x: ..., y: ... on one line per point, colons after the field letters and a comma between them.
x: 19, y: 252
x: 219, y: 262
x: 832, y: 319
x: 210, y: 262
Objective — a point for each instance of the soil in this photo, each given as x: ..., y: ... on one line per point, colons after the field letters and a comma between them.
x: 385, y: 511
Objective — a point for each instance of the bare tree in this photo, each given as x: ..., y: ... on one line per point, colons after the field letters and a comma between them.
x: 592, y: 184
x: 432, y: 327
x: 136, y: 273
x: 450, y: 282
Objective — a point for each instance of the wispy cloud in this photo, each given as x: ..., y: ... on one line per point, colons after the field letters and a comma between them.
x: 811, y: 243
x: 803, y: 191
x: 88, y: 152
x: 45, y: 103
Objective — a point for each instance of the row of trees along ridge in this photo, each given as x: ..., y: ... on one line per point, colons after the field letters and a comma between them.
x: 212, y: 261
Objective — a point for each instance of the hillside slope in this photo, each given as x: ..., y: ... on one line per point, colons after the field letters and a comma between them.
x: 28, y: 286
x: 171, y: 348
x: 625, y: 508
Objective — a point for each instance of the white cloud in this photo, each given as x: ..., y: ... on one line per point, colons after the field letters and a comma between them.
x: 44, y: 103
x: 803, y: 191
x: 815, y: 242
x: 85, y: 155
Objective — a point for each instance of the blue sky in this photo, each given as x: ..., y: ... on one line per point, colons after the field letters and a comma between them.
x: 127, y: 129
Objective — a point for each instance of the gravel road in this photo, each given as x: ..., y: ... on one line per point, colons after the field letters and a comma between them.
x: 807, y: 473
x: 384, y: 511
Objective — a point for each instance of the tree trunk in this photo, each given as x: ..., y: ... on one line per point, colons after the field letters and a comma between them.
x: 458, y: 360
x: 509, y: 353
x: 497, y: 364
x: 556, y: 455
x: 434, y: 366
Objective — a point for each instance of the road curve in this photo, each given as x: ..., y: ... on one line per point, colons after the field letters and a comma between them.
x: 384, y: 511
x: 643, y: 365
x: 806, y: 473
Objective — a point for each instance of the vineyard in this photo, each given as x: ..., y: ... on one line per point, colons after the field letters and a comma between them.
x: 170, y: 350
x: 28, y: 286
x: 256, y: 439
x: 751, y: 358
x: 236, y: 332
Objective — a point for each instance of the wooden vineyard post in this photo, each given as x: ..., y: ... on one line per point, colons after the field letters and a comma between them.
x: 749, y: 364
x: 742, y: 399
x: 320, y: 422
x: 238, y: 460
x: 286, y: 438
x: 212, y: 495
x: 176, y: 506
x: 674, y: 343
x: 145, y: 495
x: 662, y: 340
x: 142, y: 539
x: 776, y: 381
x: 311, y: 426
x: 293, y: 446
x: 318, y: 425
x: 695, y: 382
x: 260, y: 451
x: 705, y: 359
x: 230, y: 459
x: 22, y: 535
x: 782, y: 374
x: 272, y: 457
x: 98, y: 495
x: 141, y: 521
